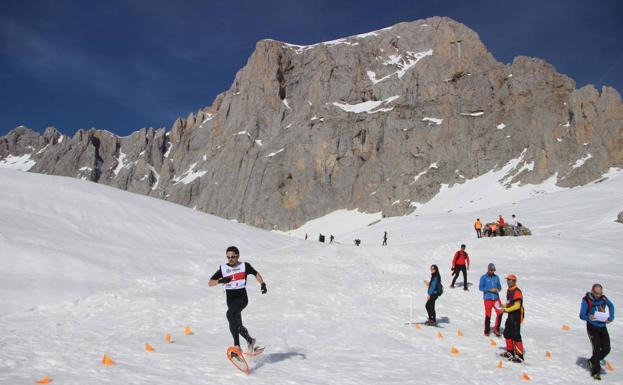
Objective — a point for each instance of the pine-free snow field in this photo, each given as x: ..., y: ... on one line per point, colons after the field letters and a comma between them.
x: 89, y: 270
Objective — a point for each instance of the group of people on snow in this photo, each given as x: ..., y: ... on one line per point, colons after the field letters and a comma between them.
x: 496, y: 228
x: 595, y: 309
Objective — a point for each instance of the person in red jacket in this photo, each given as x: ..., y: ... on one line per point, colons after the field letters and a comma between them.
x: 460, y: 263
x: 502, y: 224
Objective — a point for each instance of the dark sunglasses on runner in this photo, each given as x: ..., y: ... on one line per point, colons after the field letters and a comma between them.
x: 232, y: 256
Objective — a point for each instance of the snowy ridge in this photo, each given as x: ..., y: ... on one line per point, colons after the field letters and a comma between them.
x: 21, y: 163
x: 370, y: 107
x: 189, y: 175
x: 404, y: 63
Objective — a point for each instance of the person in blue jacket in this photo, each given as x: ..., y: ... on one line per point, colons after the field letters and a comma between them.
x: 490, y: 286
x: 597, y: 311
x: 434, y: 291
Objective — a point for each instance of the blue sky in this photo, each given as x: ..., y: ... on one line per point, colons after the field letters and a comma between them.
x: 124, y: 65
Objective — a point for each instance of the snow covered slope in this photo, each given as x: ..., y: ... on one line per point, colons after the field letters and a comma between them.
x: 89, y: 270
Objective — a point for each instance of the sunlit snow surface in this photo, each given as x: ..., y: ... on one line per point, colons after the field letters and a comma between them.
x: 88, y: 270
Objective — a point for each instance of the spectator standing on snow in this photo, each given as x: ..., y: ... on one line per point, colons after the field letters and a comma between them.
x: 385, y: 239
x: 331, y: 238
x: 597, y: 311
x: 478, y: 228
x: 434, y: 291
x: 460, y: 263
x: 515, y: 226
x: 502, y: 224
x: 490, y: 287
x: 512, y: 328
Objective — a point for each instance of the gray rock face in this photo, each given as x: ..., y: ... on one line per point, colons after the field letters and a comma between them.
x: 620, y: 217
x: 376, y: 121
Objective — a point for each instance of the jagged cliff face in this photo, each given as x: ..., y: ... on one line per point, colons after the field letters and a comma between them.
x: 377, y: 122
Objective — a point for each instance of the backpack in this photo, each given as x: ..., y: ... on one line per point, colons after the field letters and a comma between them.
x: 439, y: 288
x: 589, y: 301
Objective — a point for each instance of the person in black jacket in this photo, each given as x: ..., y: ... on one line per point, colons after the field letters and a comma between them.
x: 434, y: 291
x: 233, y: 276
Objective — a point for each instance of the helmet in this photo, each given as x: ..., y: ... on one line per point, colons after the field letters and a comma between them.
x: 512, y: 277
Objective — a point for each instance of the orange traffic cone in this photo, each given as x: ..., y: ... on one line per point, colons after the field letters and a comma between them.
x: 149, y: 348
x: 525, y: 377
x: 548, y: 354
x: 609, y: 366
x: 459, y: 333
x: 187, y: 331
x: 107, y: 360
x: 44, y: 380
x: 566, y: 328
x: 439, y: 335
x: 418, y: 326
x: 493, y: 343
x: 167, y: 338
x: 454, y: 351
x: 500, y: 364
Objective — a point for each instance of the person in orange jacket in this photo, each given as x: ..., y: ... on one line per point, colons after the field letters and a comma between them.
x: 478, y: 228
x: 460, y: 263
x: 493, y: 230
x: 512, y: 330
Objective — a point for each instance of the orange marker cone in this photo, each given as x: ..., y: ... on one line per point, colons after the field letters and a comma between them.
x: 44, y: 380
x: 609, y: 366
x: 493, y: 344
x: 548, y: 354
x: 167, y: 338
x: 149, y: 348
x: 500, y: 364
x: 459, y: 333
x: 107, y: 360
x: 565, y: 328
x: 525, y: 377
x: 439, y: 335
x: 187, y: 331
x: 418, y: 326
x: 454, y: 351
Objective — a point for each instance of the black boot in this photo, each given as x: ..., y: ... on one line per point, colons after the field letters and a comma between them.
x: 487, y: 326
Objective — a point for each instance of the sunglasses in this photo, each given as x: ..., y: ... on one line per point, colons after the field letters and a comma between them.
x: 232, y: 256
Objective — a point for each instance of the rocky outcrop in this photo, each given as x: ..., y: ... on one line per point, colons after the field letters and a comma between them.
x: 620, y: 217
x: 377, y: 122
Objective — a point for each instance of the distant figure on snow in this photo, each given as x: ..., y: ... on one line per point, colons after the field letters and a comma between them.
x: 435, y: 289
x: 305, y: 236
x: 597, y: 311
x: 385, y: 239
x: 490, y: 287
x: 502, y: 224
x: 357, y: 242
x: 493, y: 230
x: 515, y: 226
x: 460, y: 263
x: 331, y: 238
x: 478, y: 228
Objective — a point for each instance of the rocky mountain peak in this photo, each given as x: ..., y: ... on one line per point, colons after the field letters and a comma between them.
x: 377, y: 121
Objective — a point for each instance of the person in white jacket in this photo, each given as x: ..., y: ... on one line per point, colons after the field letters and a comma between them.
x: 515, y: 226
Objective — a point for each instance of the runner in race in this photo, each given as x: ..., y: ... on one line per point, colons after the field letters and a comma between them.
x: 233, y: 276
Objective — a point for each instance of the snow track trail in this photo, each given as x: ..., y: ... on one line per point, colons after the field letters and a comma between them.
x: 89, y: 270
